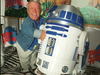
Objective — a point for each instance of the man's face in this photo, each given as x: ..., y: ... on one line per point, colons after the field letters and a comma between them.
x: 34, y: 10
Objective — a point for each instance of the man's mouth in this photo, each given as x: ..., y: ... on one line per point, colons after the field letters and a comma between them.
x: 34, y: 14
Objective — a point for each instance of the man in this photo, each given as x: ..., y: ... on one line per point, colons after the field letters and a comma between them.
x: 28, y: 35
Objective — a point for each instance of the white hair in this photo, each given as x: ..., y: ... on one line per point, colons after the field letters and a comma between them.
x: 36, y: 2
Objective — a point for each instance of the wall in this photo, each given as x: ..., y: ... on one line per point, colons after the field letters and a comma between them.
x: 79, y: 3
x: 93, y: 58
x: 57, y: 2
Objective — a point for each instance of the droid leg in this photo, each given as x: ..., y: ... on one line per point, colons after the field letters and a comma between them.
x: 80, y: 67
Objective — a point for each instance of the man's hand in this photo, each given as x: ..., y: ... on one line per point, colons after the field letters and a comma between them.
x: 43, y: 35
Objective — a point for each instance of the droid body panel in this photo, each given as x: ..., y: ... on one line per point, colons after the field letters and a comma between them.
x: 58, y: 53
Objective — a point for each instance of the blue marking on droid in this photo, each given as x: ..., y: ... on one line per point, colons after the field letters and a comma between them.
x: 57, y: 28
x: 74, y: 17
x: 68, y: 16
x: 55, y: 33
x: 62, y: 14
x: 67, y: 26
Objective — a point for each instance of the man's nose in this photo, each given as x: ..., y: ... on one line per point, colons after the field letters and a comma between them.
x: 34, y: 10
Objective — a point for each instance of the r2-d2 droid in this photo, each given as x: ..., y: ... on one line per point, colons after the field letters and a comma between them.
x: 64, y: 49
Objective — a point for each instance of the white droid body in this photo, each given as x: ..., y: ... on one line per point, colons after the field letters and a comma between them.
x: 60, y: 53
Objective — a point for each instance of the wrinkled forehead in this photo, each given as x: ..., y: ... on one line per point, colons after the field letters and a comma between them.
x: 34, y: 4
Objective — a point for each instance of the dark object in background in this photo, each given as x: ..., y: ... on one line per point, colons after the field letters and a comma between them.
x: 28, y: 0
x: 11, y: 12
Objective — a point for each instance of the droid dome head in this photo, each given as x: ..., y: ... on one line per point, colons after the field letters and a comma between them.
x: 66, y: 15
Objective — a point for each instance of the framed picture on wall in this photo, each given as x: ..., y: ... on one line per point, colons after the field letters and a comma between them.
x: 90, y: 10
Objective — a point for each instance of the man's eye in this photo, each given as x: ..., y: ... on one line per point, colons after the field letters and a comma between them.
x: 37, y: 9
x: 30, y: 9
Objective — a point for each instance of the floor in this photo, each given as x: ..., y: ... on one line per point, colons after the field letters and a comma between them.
x: 12, y: 64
